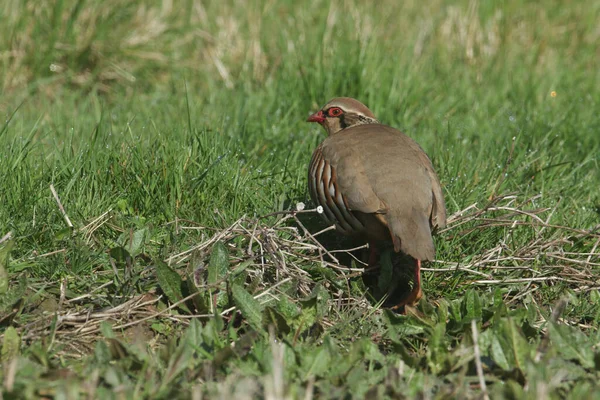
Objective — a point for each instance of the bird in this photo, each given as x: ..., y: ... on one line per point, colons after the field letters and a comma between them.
x: 377, y: 184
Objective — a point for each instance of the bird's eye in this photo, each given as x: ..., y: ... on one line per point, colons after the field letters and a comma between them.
x: 335, y: 112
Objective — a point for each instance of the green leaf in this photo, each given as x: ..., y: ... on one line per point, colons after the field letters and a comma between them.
x: 288, y: 309
x: 63, y: 234
x: 498, y: 355
x: 10, y: 345
x: 122, y: 205
x: 136, y: 241
x: 401, y: 326
x: 442, y: 313
x: 242, y: 267
x: 170, y: 283
x: 201, y: 303
x: 517, y: 344
x: 455, y: 311
x: 161, y: 328
x: 13, y: 295
x: 4, y: 258
x: 102, y: 352
x: 472, y: 304
x: 437, y: 349
x: 218, y: 264
x: 193, y: 333
x: 178, y: 362
x: 572, y: 344
x: 120, y: 254
x: 370, y: 350
x: 509, y: 348
x: 595, y: 297
x: 316, y: 362
x: 248, y: 305
x: 319, y: 299
x: 106, y: 330
x: 276, y: 319
x: 314, y: 307
x: 211, y: 333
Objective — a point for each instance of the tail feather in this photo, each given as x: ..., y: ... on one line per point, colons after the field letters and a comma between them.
x: 412, y: 235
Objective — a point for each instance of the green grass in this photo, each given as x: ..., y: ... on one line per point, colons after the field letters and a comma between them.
x: 161, y: 124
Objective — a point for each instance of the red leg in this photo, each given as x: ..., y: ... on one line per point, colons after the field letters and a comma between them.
x: 415, y: 295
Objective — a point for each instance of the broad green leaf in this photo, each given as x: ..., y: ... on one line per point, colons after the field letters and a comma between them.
x: 572, y: 344
x: 106, y: 330
x: 13, y: 295
x: 319, y: 299
x: 218, y: 264
x: 401, y: 326
x: 288, y: 309
x: 509, y: 349
x: 455, y: 311
x: 211, y: 334
x: 194, y: 332
x: 248, y: 305
x: 308, y: 316
x: 472, y: 304
x: 217, y: 322
x: 170, y: 283
x: 497, y: 353
x: 200, y: 301
x: 316, y: 362
x: 120, y: 254
x: 242, y: 267
x: 370, y: 350
x: 583, y: 390
x: 442, y: 313
x: 161, y: 328
x: 595, y: 297
x: 517, y: 344
x: 178, y: 362
x: 276, y: 319
x: 102, y: 352
x: 4, y: 259
x: 122, y: 204
x: 498, y: 298
x: 136, y: 241
x: 10, y: 345
x: 314, y: 307
x: 437, y: 349
x: 357, y: 379
x: 63, y: 234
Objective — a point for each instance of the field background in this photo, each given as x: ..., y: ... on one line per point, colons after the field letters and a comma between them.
x: 172, y: 131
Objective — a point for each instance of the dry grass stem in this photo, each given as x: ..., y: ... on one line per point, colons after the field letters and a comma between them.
x: 278, y: 247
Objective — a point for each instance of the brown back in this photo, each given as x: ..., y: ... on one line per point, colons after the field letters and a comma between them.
x: 381, y: 171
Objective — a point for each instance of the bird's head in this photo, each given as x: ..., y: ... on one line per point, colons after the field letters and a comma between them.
x: 341, y: 113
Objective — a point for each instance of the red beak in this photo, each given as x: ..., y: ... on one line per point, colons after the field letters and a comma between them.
x: 317, y: 117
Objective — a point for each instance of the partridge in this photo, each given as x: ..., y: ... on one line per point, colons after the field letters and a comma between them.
x: 376, y: 183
